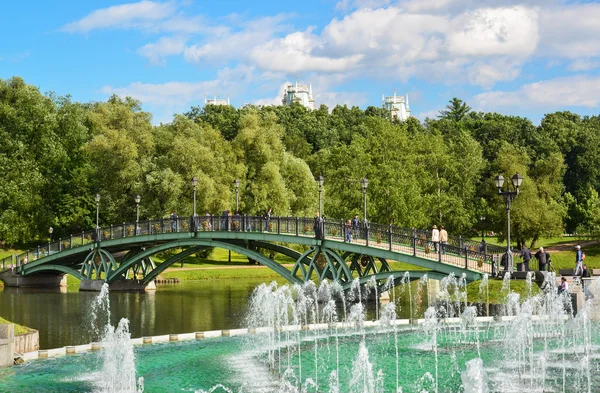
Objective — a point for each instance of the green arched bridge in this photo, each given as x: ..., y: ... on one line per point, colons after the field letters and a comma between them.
x: 121, y: 255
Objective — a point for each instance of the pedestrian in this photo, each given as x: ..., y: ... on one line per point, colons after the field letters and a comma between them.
x: 267, y: 219
x: 443, y: 238
x: 541, y: 257
x: 173, y: 218
x: 349, y: 231
x: 355, y: 225
x: 435, y: 237
x: 207, y: 225
x: 317, y: 226
x: 579, y: 257
x: 526, y: 255
x: 585, y: 274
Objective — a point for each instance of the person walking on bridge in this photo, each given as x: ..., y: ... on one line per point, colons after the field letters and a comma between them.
x: 355, y: 225
x: 443, y: 238
x: 435, y: 237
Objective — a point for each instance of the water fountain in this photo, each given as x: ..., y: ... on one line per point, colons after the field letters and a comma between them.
x: 320, y: 339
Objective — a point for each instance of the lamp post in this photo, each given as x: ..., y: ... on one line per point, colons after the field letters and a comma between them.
x: 194, y: 183
x: 364, y: 182
x: 320, y: 181
x: 137, y: 199
x: 97, y: 216
x: 236, y: 183
x: 508, y: 195
x: 481, y: 220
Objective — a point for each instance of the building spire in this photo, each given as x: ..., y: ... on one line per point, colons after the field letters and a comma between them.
x: 394, y: 96
x: 310, y: 87
x: 407, y: 100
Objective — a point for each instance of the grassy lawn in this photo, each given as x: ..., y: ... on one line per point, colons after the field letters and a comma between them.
x: 543, y: 242
x: 495, y: 291
x: 18, y: 328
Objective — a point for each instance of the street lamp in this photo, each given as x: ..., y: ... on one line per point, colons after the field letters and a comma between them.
x: 194, y: 183
x: 320, y: 181
x: 97, y: 216
x: 508, y: 195
x: 364, y: 182
x: 236, y: 183
x: 137, y: 199
x: 50, y: 230
x: 481, y: 220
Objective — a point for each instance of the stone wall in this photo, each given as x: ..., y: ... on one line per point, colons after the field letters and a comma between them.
x: 7, y: 342
x: 27, y: 342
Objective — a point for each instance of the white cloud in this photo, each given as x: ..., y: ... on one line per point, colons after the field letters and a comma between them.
x: 552, y: 94
x: 345, y: 5
x: 495, y: 31
x: 571, y: 31
x: 584, y: 65
x: 156, y: 52
x: 228, y: 44
x: 143, y: 13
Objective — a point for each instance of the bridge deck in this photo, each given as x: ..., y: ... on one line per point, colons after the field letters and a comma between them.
x: 381, y: 241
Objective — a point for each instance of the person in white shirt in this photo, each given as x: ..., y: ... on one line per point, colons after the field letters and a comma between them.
x: 435, y: 237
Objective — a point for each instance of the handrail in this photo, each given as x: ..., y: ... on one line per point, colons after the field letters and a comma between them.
x: 372, y: 234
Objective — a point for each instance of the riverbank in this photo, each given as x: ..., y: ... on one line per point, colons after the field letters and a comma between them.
x: 19, y: 330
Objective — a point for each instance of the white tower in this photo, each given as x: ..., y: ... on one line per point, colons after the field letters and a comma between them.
x: 216, y: 100
x: 397, y: 105
x: 299, y: 93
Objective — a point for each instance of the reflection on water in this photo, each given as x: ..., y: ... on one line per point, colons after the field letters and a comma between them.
x: 63, y: 318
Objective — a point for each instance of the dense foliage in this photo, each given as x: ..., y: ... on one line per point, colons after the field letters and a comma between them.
x: 56, y: 154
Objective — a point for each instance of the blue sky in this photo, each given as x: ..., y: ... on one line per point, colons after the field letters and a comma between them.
x: 523, y: 57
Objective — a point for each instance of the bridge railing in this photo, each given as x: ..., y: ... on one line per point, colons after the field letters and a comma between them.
x: 475, y: 255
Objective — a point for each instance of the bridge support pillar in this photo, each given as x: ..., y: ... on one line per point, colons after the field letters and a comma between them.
x: 11, y: 278
x: 118, y: 285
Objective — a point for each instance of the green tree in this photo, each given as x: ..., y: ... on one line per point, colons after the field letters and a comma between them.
x: 455, y: 111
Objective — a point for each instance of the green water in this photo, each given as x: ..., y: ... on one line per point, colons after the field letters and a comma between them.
x: 234, y: 362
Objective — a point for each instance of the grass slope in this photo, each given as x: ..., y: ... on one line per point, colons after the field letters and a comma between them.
x: 18, y: 328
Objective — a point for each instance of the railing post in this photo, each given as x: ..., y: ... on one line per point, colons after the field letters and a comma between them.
x: 38, y: 252
x: 71, y: 241
x: 414, y: 242
x: 466, y: 257
x: 82, y: 237
x: 367, y: 234
x: 124, y: 231
x: 111, y: 231
x: 440, y: 251
x: 162, y: 225
x: 390, y: 236
x: 297, y: 224
x: 60, y: 244
x: 150, y: 227
x: 278, y: 225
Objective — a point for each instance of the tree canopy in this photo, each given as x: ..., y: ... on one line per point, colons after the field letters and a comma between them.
x: 56, y: 155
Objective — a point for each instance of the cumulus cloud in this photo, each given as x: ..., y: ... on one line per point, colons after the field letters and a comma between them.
x: 552, y: 94
x: 571, y: 31
x: 233, y: 43
x: 157, y: 52
x: 130, y: 15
